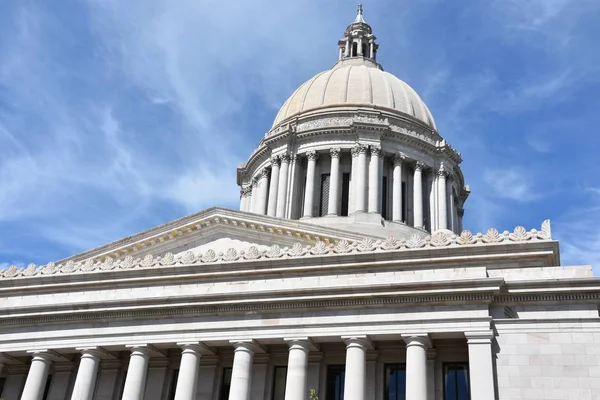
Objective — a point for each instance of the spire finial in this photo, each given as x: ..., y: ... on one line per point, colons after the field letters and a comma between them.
x: 359, y: 14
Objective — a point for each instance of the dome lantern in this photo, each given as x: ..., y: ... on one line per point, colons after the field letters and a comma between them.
x: 358, y: 41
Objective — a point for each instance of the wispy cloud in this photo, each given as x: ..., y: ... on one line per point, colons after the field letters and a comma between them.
x: 510, y: 183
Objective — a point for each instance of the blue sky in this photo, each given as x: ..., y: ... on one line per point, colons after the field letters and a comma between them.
x: 116, y: 116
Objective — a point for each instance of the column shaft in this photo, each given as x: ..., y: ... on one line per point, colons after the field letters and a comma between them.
x: 263, y: 190
x: 355, y: 384
x: 353, y: 178
x: 418, y: 196
x: 272, y: 207
x: 295, y: 385
x: 85, y: 382
x: 416, y: 367
x: 242, y: 198
x: 361, y: 179
x: 187, y: 381
x: 334, y: 183
x: 481, y: 369
x: 282, y: 186
x: 135, y: 382
x: 253, y: 195
x: 37, y: 377
x: 397, y: 188
x: 241, y: 373
x: 374, y: 206
x: 310, y: 184
x: 442, y: 209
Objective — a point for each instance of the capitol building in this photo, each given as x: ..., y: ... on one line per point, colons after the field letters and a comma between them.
x: 346, y: 271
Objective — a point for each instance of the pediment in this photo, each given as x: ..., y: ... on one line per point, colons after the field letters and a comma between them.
x: 217, y: 229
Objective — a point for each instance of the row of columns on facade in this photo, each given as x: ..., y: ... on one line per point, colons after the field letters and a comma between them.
x: 417, y: 346
x: 260, y: 198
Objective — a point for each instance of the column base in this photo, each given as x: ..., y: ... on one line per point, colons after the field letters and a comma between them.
x: 371, y: 218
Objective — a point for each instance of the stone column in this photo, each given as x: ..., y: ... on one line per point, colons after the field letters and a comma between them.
x: 361, y: 181
x: 353, y: 177
x: 374, y: 180
x: 242, y: 198
x: 442, y: 209
x: 359, y: 47
x: 37, y: 376
x: 187, y: 382
x: 460, y: 212
x: 310, y: 183
x: 334, y: 181
x: 85, y: 382
x: 135, y: 382
x: 416, y: 366
x: 355, y: 384
x: 254, y: 195
x: 295, y: 384
x: 263, y: 190
x: 348, y: 46
x: 481, y: 369
x: 241, y: 373
x: 272, y: 207
x: 282, y: 185
x: 397, y: 188
x: 418, y: 196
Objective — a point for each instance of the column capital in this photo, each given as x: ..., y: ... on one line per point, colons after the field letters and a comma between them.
x: 275, y: 161
x: 303, y: 342
x: 418, y: 165
x: 47, y: 355
x: 460, y: 212
x: 421, y: 340
x: 284, y: 158
x: 375, y: 151
x: 358, y: 149
x: 96, y: 352
x: 362, y: 341
x: 335, y: 152
x: 248, y: 345
x: 145, y: 350
x: 481, y: 337
x: 399, y: 158
x: 254, y: 182
x: 312, y: 155
x: 196, y: 347
x: 264, y: 173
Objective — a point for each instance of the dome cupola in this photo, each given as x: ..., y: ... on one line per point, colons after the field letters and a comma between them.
x: 356, y: 148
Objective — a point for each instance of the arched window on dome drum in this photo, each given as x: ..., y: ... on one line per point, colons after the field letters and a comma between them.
x: 365, y: 50
x: 354, y: 49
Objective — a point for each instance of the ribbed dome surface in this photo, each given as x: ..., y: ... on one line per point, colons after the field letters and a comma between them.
x: 359, y: 85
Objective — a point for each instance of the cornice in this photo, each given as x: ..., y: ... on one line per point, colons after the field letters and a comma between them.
x: 323, y: 247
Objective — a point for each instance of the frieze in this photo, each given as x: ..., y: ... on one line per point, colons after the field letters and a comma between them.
x: 320, y: 249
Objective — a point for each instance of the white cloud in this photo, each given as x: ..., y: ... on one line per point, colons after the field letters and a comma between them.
x: 510, y: 183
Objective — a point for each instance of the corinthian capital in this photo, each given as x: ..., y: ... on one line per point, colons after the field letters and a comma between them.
x: 312, y: 155
x: 399, y: 158
x: 264, y: 173
x: 419, y: 165
x: 285, y: 158
x: 275, y: 161
x: 375, y: 151
x: 335, y: 152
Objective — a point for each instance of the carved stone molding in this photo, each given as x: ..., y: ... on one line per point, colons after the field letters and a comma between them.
x: 320, y: 249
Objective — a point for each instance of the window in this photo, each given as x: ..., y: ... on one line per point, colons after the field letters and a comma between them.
x: 47, y: 389
x: 395, y: 382
x: 456, y: 381
x: 174, y: 377
x: 354, y: 49
x: 279, y: 376
x: 335, y: 382
x: 325, y: 181
x: 225, y: 384
x: 345, y: 194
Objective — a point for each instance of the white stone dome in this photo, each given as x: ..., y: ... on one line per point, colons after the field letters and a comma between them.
x: 355, y: 84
